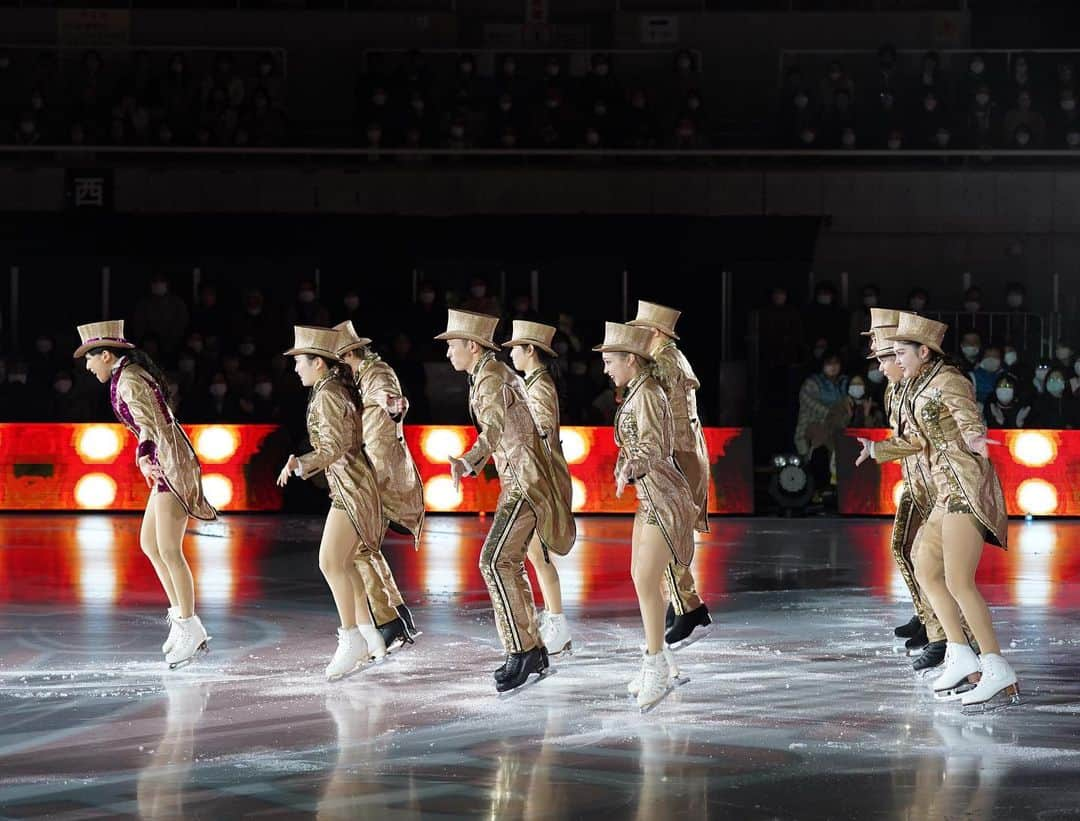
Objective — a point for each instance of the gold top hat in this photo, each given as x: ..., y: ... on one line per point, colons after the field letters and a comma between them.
x: 924, y: 331
x: 316, y: 342
x: 882, y: 318
x: 531, y: 333
x: 479, y: 328
x: 651, y: 315
x: 879, y: 345
x: 108, y: 334
x: 626, y: 339
x: 349, y: 339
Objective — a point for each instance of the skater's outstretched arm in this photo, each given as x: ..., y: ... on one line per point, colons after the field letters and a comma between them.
x: 334, y: 417
x: 892, y: 449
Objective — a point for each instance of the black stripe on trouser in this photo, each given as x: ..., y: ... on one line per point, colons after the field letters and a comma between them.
x: 901, y: 549
x: 673, y: 589
x: 499, y: 600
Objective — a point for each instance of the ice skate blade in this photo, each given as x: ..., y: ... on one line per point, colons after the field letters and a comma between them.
x: 201, y: 650
x: 954, y: 693
x: 673, y: 682
x: 652, y: 705
x: 567, y: 650
x: 1006, y: 697
x: 360, y: 665
x: 696, y: 636
x: 531, y: 681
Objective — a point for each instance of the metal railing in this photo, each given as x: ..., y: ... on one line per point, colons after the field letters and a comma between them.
x: 577, y: 59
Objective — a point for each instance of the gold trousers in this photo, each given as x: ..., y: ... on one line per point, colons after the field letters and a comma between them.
x: 502, y: 564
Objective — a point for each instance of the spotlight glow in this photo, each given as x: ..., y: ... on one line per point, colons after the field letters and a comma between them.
x: 1033, y: 449
x: 95, y: 491
x: 98, y: 443
x: 575, y: 445
x: 1037, y: 497
x: 440, y: 494
x: 218, y: 490
x: 439, y: 444
x: 216, y: 443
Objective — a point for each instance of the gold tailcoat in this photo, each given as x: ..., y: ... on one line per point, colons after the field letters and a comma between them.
x: 400, y: 488
x: 544, y: 403
x: 335, y: 429
x: 139, y: 403
x: 508, y: 433
x: 672, y: 370
x: 645, y: 434
x: 937, y: 412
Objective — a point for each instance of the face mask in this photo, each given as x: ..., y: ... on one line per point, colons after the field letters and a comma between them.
x: 875, y: 376
x: 970, y: 351
x: 352, y: 303
x: 506, y: 105
x: 195, y: 345
x: 977, y: 67
x: 246, y: 349
x: 264, y: 389
x: 218, y: 390
x: 602, y: 70
x: 552, y: 71
x: 17, y: 378
x: 832, y: 371
x: 306, y: 296
x: 848, y: 139
x: 801, y: 100
x: 1055, y: 387
x: 253, y: 310
x: 44, y: 345
x: 990, y: 364
x: 1010, y: 358
x: 1068, y: 105
x: 869, y: 301
x: 894, y: 144
x: 427, y: 297
x: 600, y: 110
x: 478, y: 291
x: 818, y: 353
x: 824, y: 299
x: 62, y: 385
x: 1014, y: 300
x: 917, y: 303
x: 159, y: 289
x: 856, y: 391
x: 971, y: 307
x: 592, y: 138
x: 187, y: 365
x: 1023, y: 139
x: 982, y: 99
x: 1063, y: 353
x: 930, y: 105
x: 1004, y: 395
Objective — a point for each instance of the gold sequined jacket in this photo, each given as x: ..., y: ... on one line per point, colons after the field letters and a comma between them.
x: 400, y: 488
x: 672, y: 370
x: 937, y: 413
x: 544, y: 403
x: 335, y: 430
x: 645, y: 434
x: 508, y: 434
x: 138, y: 402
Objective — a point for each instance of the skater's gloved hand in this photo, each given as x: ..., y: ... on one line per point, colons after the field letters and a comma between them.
x: 292, y: 464
x: 980, y: 445
x: 151, y: 472
x: 458, y: 469
x: 867, y: 451
x: 396, y: 406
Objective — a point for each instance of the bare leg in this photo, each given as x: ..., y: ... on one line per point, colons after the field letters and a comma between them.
x: 170, y: 524
x: 547, y: 576
x: 149, y: 545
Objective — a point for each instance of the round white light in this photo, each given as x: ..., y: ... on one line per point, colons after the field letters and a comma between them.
x: 218, y: 490
x: 575, y: 446
x: 95, y: 491
x: 1037, y: 497
x: 1033, y: 449
x: 216, y: 443
x: 579, y: 494
x: 98, y: 443
x: 439, y: 444
x: 440, y: 493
